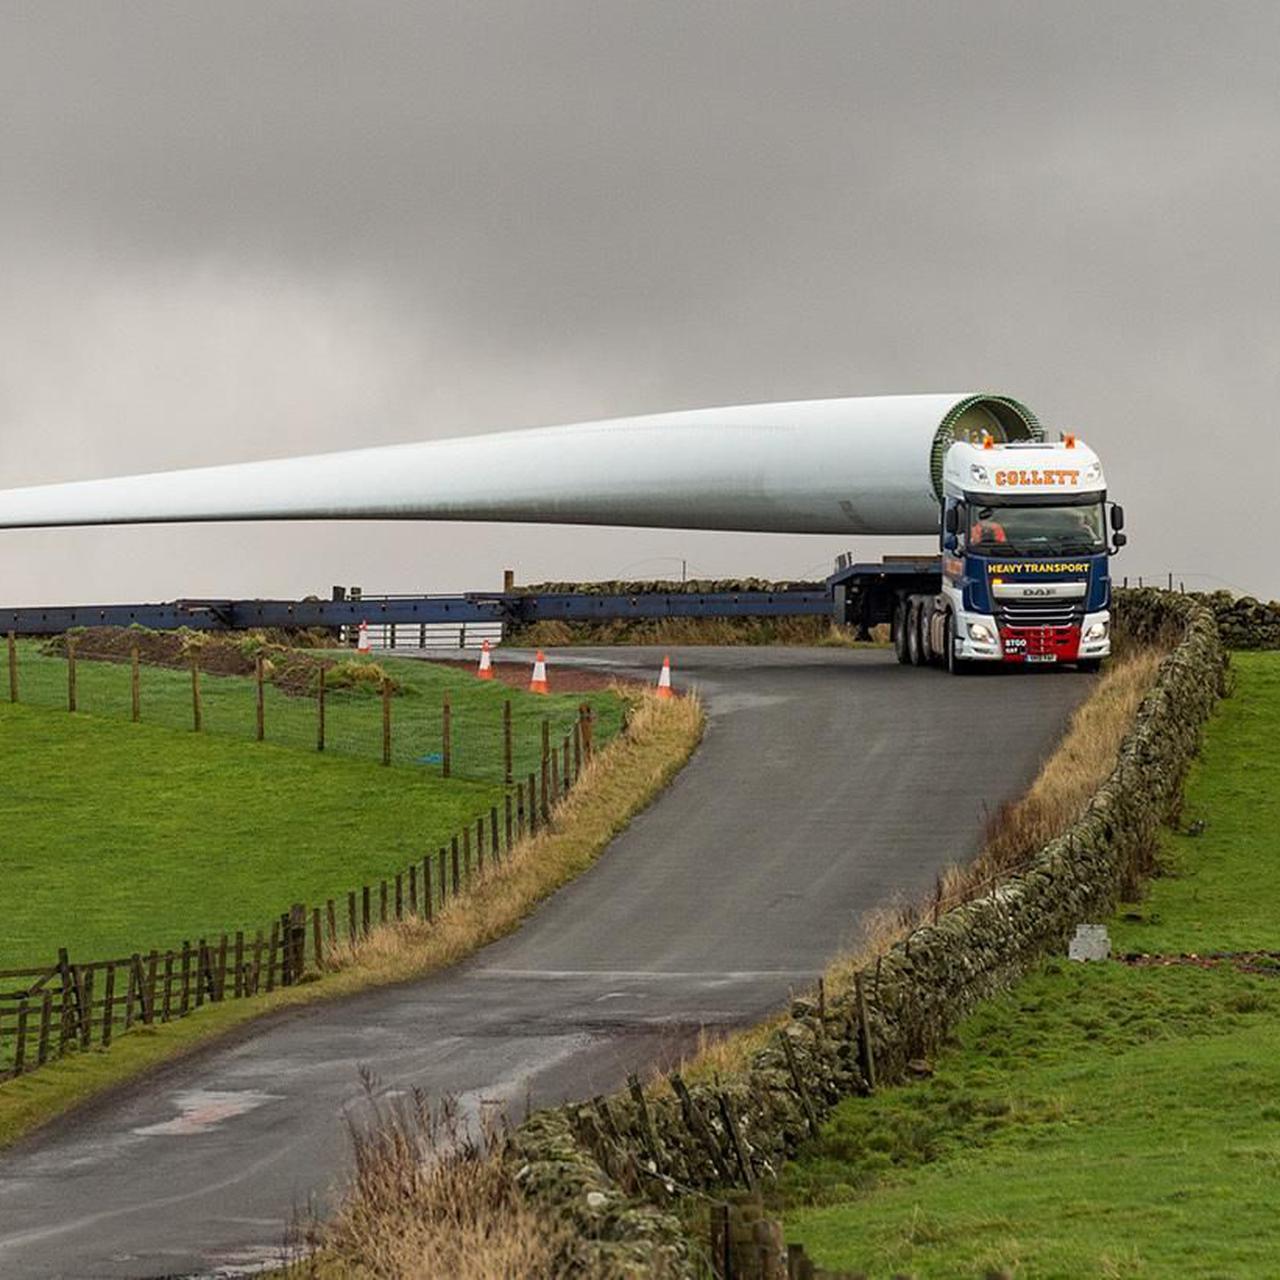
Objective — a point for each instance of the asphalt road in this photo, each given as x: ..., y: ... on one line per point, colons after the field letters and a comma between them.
x: 830, y: 781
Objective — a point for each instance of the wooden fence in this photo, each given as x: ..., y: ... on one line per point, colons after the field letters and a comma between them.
x: 49, y: 1010
x: 442, y: 736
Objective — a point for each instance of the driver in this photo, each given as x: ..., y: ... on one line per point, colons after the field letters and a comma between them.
x: 986, y: 530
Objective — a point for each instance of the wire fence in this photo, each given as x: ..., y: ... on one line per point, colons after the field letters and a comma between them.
x: 401, y: 712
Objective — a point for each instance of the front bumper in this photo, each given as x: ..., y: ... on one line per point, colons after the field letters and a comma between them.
x: 1033, y: 645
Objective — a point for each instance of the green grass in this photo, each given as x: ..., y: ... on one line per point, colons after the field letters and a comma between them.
x: 1098, y: 1120
x: 116, y: 837
x: 121, y: 837
x: 353, y: 719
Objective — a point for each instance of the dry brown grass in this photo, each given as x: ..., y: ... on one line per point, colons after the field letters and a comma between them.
x: 430, y: 1198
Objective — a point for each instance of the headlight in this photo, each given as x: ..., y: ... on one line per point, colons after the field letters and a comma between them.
x: 1096, y: 631
x: 980, y: 632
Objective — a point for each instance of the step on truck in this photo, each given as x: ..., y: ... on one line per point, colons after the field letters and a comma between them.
x: 1025, y: 536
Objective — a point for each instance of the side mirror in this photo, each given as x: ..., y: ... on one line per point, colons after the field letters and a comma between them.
x: 1117, y: 518
x: 951, y: 520
x: 1119, y: 540
x: 952, y: 543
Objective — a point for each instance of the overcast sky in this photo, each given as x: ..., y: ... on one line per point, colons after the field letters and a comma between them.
x: 233, y: 231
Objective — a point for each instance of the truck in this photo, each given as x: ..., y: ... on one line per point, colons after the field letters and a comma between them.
x: 1025, y: 536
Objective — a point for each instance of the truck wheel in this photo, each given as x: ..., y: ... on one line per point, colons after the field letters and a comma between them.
x: 1089, y: 665
x: 915, y: 634
x: 900, y: 646
x: 956, y: 666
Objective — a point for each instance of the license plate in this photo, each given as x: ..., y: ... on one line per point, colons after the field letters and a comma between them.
x: 1042, y: 657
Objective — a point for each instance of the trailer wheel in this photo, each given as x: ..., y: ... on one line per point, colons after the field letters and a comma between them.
x: 900, y: 645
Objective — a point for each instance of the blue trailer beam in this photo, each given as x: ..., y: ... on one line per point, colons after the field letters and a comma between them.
x: 513, y: 610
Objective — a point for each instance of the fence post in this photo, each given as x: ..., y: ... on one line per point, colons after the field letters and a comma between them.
x: 446, y: 723
x: 546, y: 737
x: 20, y: 1047
x: 108, y: 1005
x: 466, y: 850
x: 545, y: 812
x: 588, y: 741
x: 457, y: 881
x: 320, y: 713
x: 46, y: 1021
x: 426, y: 888
x: 495, y: 847
x: 71, y: 673
x: 442, y: 859
x: 507, y: 815
x: 317, y: 939
x: 555, y: 779
x: 386, y: 721
x: 197, y: 718
x: 259, y: 675
x: 13, y: 667
x: 135, y: 683
x: 566, y: 777
x: 508, y: 753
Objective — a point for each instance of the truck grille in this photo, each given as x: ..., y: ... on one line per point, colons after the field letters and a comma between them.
x: 1041, y: 613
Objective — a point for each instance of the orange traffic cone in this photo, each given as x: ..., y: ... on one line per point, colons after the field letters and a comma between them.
x: 363, y: 645
x: 664, y: 680
x: 485, y: 671
x: 538, y: 684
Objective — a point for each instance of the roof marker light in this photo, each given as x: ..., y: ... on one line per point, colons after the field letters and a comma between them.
x: 987, y: 441
x: 1069, y: 440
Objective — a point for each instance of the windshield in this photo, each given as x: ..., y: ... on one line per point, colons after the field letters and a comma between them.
x: 1035, y: 531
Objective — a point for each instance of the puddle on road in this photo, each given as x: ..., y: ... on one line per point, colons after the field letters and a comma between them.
x: 200, y: 1110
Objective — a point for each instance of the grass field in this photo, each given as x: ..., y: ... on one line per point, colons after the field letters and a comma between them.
x: 1105, y: 1120
x: 353, y: 718
x: 116, y: 837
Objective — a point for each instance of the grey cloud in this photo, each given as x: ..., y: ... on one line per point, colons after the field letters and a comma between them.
x: 232, y: 230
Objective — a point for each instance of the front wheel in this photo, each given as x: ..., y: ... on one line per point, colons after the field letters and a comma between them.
x: 956, y: 666
x: 1089, y: 665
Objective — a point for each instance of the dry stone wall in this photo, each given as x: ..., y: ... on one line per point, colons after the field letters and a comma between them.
x: 619, y: 1166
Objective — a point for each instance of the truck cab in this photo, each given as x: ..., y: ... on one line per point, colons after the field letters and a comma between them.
x: 1024, y: 544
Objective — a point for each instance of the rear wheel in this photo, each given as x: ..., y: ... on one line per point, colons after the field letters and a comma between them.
x: 900, y: 645
x: 915, y: 634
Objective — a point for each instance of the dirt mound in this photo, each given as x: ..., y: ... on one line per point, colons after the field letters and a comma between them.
x: 286, y: 666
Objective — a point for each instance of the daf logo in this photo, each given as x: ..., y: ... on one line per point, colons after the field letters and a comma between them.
x: 1037, y: 591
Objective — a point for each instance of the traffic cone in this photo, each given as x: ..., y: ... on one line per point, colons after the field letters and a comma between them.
x: 485, y: 671
x: 362, y: 644
x: 664, y: 680
x: 538, y: 684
